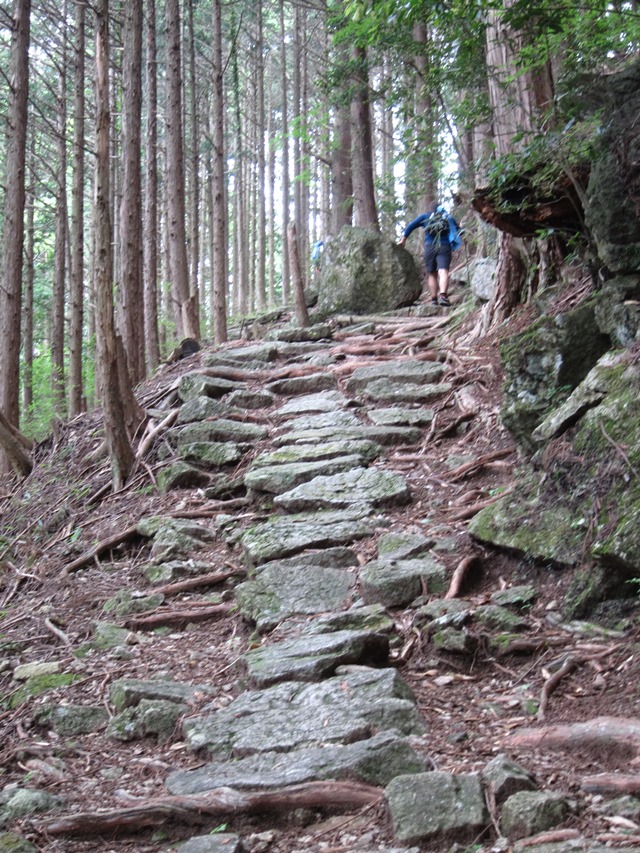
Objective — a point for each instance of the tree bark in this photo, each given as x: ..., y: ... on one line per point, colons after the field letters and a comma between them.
x: 120, y: 451
x: 131, y: 288
x: 302, y: 315
x: 365, y: 213
x: 60, y: 245
x: 286, y: 184
x: 152, y: 343
x: 77, y: 219
x: 183, y: 309
x: 220, y: 274
x: 13, y: 229
x: 15, y: 449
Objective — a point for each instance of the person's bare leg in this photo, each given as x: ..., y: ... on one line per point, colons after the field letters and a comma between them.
x: 443, y: 281
x: 433, y: 285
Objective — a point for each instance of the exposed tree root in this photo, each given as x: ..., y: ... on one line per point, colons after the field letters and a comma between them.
x: 219, y: 802
x: 552, y: 837
x: 105, y: 545
x: 471, y: 467
x: 470, y: 511
x: 603, y: 732
x: 459, y: 575
x: 611, y: 783
x: 553, y: 681
x: 178, y: 618
x: 199, y: 581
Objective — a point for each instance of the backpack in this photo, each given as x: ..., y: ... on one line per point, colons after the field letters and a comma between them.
x: 437, y: 226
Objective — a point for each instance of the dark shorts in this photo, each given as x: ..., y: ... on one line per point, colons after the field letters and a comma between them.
x: 437, y: 257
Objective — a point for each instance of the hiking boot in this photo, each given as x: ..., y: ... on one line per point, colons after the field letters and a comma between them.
x: 444, y: 300
x: 434, y: 301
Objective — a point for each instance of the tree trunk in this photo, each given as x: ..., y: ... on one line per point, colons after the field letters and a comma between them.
x: 77, y: 219
x: 15, y: 448
x: 365, y: 213
x: 29, y: 276
x: 341, y: 174
x: 183, y: 309
x: 302, y: 315
x: 60, y: 246
x: 261, y: 218
x: 427, y: 173
x: 220, y: 273
x: 286, y: 184
x: 152, y: 343
x: 194, y: 193
x: 131, y: 289
x: 120, y: 450
x: 13, y: 229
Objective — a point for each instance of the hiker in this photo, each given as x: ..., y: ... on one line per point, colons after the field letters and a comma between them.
x: 441, y: 237
x: 316, y: 254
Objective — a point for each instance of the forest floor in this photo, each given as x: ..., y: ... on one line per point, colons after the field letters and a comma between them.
x: 471, y: 705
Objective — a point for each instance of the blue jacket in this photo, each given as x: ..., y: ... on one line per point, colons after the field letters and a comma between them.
x: 453, y: 237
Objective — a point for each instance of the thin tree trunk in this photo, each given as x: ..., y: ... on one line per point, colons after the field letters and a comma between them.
x: 152, y: 344
x: 261, y: 218
x: 120, y: 450
x: 29, y: 276
x: 77, y: 219
x: 131, y: 290
x: 220, y: 273
x: 60, y: 246
x: 183, y: 306
x: 365, y: 213
x: 425, y: 121
x: 13, y: 229
x: 302, y: 315
x: 286, y: 184
x: 194, y: 194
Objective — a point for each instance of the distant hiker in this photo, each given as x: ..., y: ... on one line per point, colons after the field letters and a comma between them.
x: 316, y: 254
x: 441, y: 237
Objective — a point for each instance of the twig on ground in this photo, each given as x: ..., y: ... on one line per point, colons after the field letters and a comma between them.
x: 58, y: 633
x: 470, y: 511
x: 176, y: 618
x: 199, y: 581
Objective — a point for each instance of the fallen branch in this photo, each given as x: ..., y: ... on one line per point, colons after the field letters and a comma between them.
x: 603, y: 732
x: 105, y: 545
x: 552, y: 837
x: 459, y: 575
x: 178, y: 618
x: 469, y: 467
x: 58, y: 633
x: 451, y: 425
x: 153, y: 432
x: 553, y: 681
x: 197, y: 582
x: 217, y: 803
x: 611, y: 783
x: 470, y: 511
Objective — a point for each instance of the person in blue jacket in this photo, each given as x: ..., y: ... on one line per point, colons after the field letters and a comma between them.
x: 441, y: 238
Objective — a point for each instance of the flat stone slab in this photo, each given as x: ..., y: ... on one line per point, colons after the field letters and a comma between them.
x: 370, y: 617
x: 294, y: 715
x: 438, y: 805
x: 326, y: 401
x: 389, y: 390
x: 314, y: 656
x: 321, y: 421
x: 412, y: 371
x: 285, y: 536
x: 278, y: 592
x: 241, y: 355
x: 174, y: 538
x: 401, y: 417
x: 194, y: 385
x: 296, y: 453
x: 221, y: 429
x: 280, y: 478
x: 213, y: 454
x: 311, y: 384
x: 199, y: 409
x: 248, y: 399
x: 376, y: 761
x: 398, y: 582
x: 368, y: 486
x: 380, y: 435
x: 220, y: 842
x: 402, y: 546
x: 129, y: 692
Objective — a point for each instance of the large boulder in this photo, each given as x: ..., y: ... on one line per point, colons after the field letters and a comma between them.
x: 545, y: 363
x: 365, y: 272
